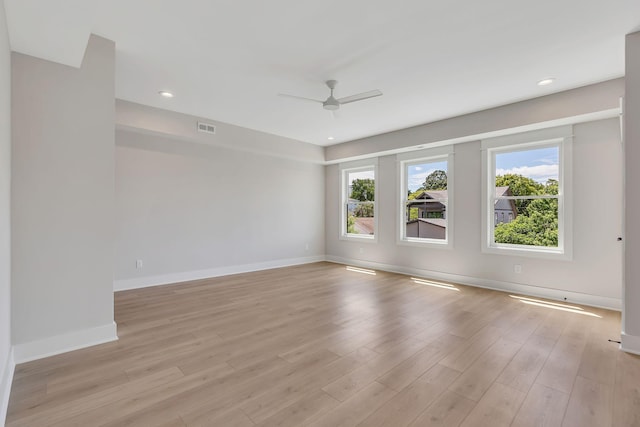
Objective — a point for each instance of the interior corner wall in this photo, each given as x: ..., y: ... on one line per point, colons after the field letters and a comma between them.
x: 62, y: 202
x: 631, y: 311
x: 188, y: 210
x: 6, y: 365
x: 592, y: 277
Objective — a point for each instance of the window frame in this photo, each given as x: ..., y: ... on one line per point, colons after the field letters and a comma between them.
x: 562, y: 137
x: 345, y: 169
x: 405, y: 160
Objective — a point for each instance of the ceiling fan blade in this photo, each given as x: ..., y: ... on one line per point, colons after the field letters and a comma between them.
x: 300, y: 97
x: 359, y: 96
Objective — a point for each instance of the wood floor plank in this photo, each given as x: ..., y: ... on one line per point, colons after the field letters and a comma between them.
x: 590, y: 404
x: 525, y: 366
x: 319, y: 345
x: 357, y: 408
x: 448, y: 411
x: 303, y: 411
x: 414, y: 399
x: 561, y: 367
x: 626, y: 397
x: 466, y: 354
x: 414, y: 366
x: 497, y: 407
x: 543, y: 406
x: 598, y: 361
x: 352, y: 383
x: 474, y: 381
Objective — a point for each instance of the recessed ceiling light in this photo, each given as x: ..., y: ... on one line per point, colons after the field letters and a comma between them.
x: 166, y: 94
x: 331, y: 138
x: 546, y: 81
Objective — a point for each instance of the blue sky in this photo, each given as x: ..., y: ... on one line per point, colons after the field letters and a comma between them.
x: 538, y: 164
x: 418, y: 173
x: 359, y: 175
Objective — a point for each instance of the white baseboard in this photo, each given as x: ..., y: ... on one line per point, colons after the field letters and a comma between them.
x: 51, y: 346
x: 630, y: 343
x: 166, y: 279
x: 5, y: 385
x: 549, y: 293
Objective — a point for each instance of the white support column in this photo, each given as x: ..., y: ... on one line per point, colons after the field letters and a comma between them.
x: 631, y: 307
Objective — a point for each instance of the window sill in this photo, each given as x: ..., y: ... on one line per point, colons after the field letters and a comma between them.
x: 426, y: 243
x: 529, y: 252
x: 365, y: 238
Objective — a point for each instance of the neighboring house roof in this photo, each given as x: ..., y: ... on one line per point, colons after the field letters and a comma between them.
x: 503, y: 191
x: 442, y: 194
x: 438, y: 222
x: 432, y: 194
x: 364, y: 225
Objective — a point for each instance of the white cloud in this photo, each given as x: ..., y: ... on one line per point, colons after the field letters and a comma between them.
x: 416, y: 180
x: 360, y: 175
x: 540, y: 173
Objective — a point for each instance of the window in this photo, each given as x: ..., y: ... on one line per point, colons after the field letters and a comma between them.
x: 527, y: 184
x: 358, y: 208
x: 425, y: 202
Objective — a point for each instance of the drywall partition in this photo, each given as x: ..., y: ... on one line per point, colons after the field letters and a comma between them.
x: 142, y: 118
x: 587, y: 103
x: 6, y: 360
x: 188, y: 210
x: 62, y: 202
x: 593, y: 276
x: 631, y: 311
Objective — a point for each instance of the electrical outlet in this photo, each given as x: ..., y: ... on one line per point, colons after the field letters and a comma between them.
x: 517, y: 268
x: 138, y: 263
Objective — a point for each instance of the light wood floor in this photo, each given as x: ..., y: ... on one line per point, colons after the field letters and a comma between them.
x: 319, y: 345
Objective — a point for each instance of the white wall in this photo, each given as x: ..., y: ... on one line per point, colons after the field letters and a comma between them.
x: 6, y: 368
x: 594, y: 274
x: 62, y: 202
x: 631, y: 313
x: 582, y: 104
x: 190, y: 210
x: 143, y: 118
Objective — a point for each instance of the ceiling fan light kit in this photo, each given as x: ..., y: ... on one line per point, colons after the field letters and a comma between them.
x: 332, y: 103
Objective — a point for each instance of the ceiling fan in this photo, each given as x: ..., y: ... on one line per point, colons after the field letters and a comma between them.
x: 332, y: 103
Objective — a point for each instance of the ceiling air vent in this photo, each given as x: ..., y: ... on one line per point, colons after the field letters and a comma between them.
x: 206, y: 128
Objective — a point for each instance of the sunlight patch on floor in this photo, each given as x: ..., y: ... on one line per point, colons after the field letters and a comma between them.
x: 434, y: 284
x: 361, y: 270
x: 555, y: 306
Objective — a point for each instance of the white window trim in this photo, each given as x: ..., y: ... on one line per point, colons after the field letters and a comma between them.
x: 404, y: 161
x: 563, y: 138
x: 345, y: 168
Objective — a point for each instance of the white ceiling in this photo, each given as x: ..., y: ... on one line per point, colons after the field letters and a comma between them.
x: 227, y: 60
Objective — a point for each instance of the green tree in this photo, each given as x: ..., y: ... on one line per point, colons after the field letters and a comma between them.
x: 351, y: 224
x: 436, y: 180
x: 363, y: 210
x: 537, y: 221
x: 538, y: 227
x: 363, y: 189
x: 520, y: 186
x: 551, y: 187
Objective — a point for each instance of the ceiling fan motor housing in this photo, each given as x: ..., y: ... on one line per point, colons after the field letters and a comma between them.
x: 331, y: 104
